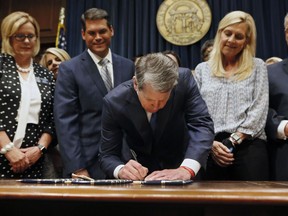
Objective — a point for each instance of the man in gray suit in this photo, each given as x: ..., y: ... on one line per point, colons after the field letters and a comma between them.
x: 277, y: 121
x: 161, y: 118
x: 80, y: 88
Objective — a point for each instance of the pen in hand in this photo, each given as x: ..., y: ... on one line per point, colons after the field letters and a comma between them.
x: 134, y: 164
x: 134, y: 155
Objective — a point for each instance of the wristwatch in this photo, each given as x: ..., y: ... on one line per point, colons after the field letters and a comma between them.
x: 236, y: 138
x: 42, y: 148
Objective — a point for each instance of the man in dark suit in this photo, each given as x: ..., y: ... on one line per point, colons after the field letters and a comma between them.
x: 277, y: 127
x: 175, y: 144
x: 80, y: 88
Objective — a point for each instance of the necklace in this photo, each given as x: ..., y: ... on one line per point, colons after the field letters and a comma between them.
x: 25, y: 70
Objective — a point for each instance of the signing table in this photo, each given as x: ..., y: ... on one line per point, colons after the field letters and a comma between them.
x: 199, y: 198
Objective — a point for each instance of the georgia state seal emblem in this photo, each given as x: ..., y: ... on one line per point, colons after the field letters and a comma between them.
x: 183, y: 22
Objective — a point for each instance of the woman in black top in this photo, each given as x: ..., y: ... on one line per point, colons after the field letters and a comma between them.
x: 26, y: 99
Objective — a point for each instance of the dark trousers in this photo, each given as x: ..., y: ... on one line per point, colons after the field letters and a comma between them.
x: 250, y: 164
x: 278, y: 155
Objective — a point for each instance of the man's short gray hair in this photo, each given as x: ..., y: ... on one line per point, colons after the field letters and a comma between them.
x: 160, y: 71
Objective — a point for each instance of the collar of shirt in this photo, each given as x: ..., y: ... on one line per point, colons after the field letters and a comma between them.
x: 149, y: 114
x: 96, y: 58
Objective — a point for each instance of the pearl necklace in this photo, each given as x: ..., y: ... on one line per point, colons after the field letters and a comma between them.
x: 25, y: 70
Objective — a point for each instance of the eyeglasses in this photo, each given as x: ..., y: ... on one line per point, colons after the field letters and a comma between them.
x: 22, y: 37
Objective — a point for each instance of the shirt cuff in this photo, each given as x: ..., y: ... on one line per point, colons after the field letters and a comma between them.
x: 116, y: 171
x: 280, y: 130
x: 192, y: 164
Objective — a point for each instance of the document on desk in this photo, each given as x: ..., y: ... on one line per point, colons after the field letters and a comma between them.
x: 102, y: 182
x: 123, y: 181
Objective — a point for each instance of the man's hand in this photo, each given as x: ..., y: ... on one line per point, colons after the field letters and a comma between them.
x: 133, y: 171
x: 170, y: 174
x: 81, y: 172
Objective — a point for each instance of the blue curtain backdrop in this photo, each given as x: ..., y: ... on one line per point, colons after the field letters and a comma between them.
x: 134, y: 22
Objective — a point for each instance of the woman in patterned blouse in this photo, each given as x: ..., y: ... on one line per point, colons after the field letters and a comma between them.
x: 26, y: 99
x: 234, y: 85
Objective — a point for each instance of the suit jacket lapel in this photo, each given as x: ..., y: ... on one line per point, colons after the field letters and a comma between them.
x: 90, y: 67
x: 116, y: 65
x: 117, y: 70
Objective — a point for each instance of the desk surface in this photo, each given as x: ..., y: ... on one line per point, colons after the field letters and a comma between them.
x: 259, y: 193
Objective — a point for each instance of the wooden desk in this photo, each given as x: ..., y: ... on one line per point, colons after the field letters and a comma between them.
x: 199, y: 198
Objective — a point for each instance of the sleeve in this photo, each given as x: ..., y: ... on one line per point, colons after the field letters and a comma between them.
x: 199, y: 123
x: 273, y: 122
x: 66, y: 115
x: 255, y: 121
x: 281, y: 130
x: 111, y: 144
x: 49, y: 126
x: 2, y: 128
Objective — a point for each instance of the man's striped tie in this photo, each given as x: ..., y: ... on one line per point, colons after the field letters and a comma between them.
x: 105, y: 74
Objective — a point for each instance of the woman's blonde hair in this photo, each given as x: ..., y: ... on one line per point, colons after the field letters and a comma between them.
x: 245, y: 57
x: 60, y: 53
x: 11, y: 24
x: 273, y: 60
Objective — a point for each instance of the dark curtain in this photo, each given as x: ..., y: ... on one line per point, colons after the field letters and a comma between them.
x: 136, y: 32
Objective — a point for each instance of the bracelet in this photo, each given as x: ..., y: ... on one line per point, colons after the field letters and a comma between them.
x: 192, y: 173
x: 7, y: 148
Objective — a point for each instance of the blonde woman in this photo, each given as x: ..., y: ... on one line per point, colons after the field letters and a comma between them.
x: 273, y: 59
x: 52, y: 58
x: 234, y: 85
x: 26, y: 100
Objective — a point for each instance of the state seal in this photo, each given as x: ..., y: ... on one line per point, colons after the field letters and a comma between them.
x: 183, y: 22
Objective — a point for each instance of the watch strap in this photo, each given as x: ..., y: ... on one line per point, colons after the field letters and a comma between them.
x: 236, y: 138
x: 42, y: 148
